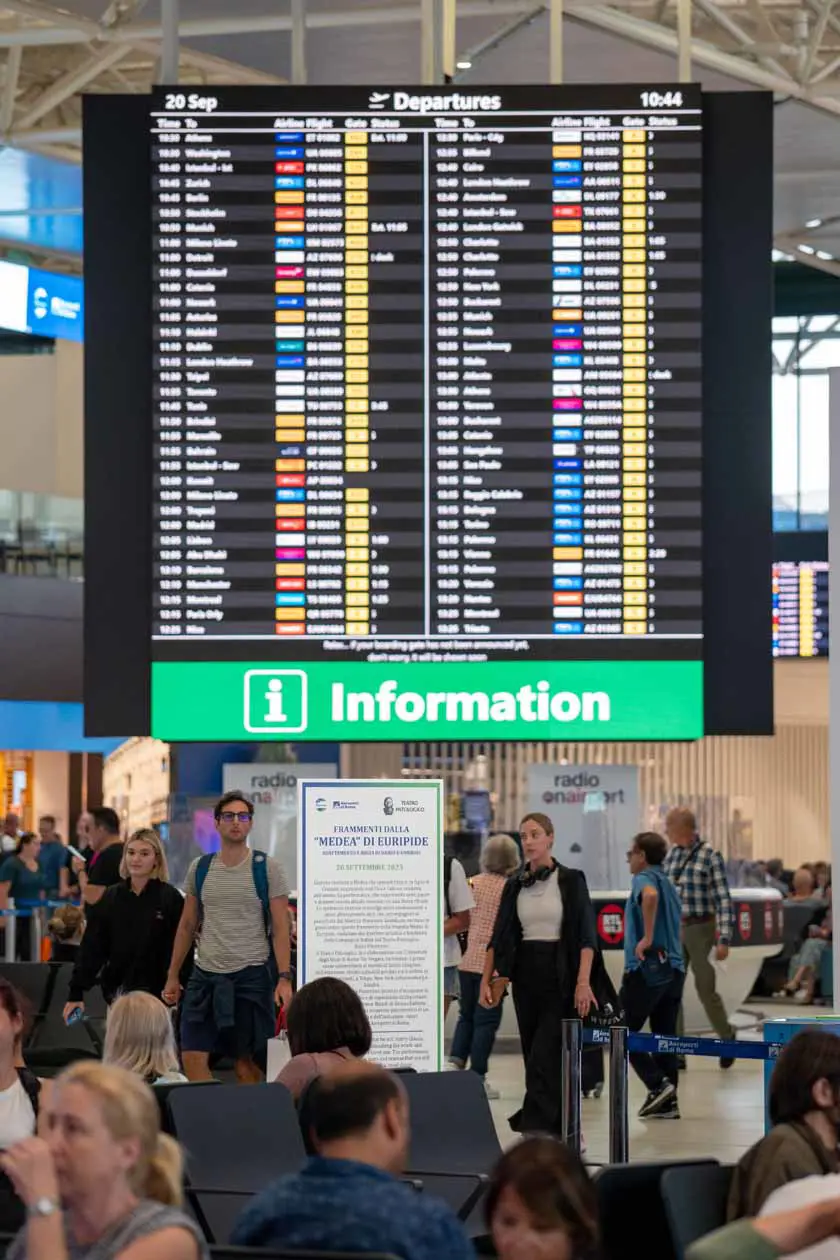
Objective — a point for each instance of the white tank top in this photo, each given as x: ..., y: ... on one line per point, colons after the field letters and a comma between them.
x: 17, y: 1118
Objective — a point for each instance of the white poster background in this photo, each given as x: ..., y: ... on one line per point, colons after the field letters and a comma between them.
x: 273, y: 788
x: 595, y: 811
x: 370, y: 907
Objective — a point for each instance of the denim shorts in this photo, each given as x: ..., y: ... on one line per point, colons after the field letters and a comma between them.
x: 250, y: 1021
x: 451, y: 982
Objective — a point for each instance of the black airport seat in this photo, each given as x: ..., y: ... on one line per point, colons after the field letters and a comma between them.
x: 633, y: 1192
x: 695, y: 1202
x: 237, y: 1137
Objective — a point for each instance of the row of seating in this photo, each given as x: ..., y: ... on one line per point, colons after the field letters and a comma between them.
x: 675, y: 1204
x: 454, y: 1147
x: 49, y: 1045
x: 454, y: 1144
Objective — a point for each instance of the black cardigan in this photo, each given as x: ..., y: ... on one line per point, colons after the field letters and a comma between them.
x: 578, y: 933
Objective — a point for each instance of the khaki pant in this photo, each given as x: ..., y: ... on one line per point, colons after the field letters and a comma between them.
x: 698, y: 943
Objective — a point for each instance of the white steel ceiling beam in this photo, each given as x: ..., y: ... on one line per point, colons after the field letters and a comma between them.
x: 716, y: 14
x: 69, y: 84
x: 704, y: 54
x: 817, y: 35
x: 10, y: 85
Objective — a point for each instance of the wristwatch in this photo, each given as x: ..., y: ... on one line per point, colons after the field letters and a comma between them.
x: 42, y: 1207
x: 284, y: 975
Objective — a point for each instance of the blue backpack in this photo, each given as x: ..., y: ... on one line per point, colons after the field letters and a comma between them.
x: 259, y: 870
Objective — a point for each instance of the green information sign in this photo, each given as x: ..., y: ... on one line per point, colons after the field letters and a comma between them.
x: 578, y: 700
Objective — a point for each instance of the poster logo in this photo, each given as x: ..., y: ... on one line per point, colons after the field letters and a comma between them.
x: 320, y: 804
x: 388, y: 806
x: 611, y: 924
x: 275, y: 701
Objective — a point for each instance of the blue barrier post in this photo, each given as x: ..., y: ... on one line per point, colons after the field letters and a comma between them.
x: 619, y: 1124
x: 570, y: 1068
x: 11, y: 928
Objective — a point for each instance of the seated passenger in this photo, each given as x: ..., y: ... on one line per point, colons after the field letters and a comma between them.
x: 349, y: 1195
x: 326, y: 1025
x: 139, y: 1037
x: 541, y: 1204
x: 21, y: 1097
x: 802, y: 1219
x: 804, y: 1108
x: 806, y: 962
x: 104, y: 1183
x: 804, y: 886
x: 66, y: 928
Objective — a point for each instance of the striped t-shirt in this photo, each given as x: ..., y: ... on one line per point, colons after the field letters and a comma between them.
x: 233, y: 926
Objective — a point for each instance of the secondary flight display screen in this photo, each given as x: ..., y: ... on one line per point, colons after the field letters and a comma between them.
x: 427, y: 391
x: 800, y: 608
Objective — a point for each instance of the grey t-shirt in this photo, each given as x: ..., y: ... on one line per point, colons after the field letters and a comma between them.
x: 147, y: 1218
x: 233, y: 927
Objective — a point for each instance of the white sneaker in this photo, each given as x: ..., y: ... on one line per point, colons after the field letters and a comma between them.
x: 491, y: 1091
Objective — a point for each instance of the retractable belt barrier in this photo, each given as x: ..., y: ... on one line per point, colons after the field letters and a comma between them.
x: 622, y: 1043
x: 32, y: 910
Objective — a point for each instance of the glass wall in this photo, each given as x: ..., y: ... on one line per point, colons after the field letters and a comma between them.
x: 804, y: 348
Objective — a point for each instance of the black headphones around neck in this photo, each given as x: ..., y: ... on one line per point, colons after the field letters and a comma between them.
x: 528, y: 878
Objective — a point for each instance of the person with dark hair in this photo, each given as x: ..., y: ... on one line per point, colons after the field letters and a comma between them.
x: 544, y: 941
x: 541, y: 1204
x: 103, y: 866
x: 21, y: 879
x: 53, y: 855
x: 804, y: 1108
x: 654, y: 970
x: 326, y: 1025
x: 237, y: 904
x: 21, y: 1097
x: 348, y: 1196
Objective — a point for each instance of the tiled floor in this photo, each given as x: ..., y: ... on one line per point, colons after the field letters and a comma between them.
x: 722, y: 1112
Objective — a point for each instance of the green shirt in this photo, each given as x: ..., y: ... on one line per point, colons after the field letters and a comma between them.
x: 24, y: 885
x: 739, y: 1241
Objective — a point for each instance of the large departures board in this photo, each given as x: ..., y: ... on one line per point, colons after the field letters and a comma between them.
x: 427, y: 414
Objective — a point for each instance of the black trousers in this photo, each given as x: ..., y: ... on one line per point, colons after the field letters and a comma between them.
x: 661, y: 1005
x: 540, y: 997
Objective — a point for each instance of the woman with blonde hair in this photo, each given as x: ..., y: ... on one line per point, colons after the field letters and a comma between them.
x: 128, y: 941
x: 66, y: 928
x: 103, y: 1183
x: 140, y: 1038
x: 477, y: 1025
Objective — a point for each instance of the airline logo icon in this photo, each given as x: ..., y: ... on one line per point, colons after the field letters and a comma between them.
x: 275, y: 701
x: 377, y: 100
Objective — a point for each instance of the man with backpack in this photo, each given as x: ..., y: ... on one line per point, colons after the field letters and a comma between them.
x: 236, y: 903
x: 654, y: 970
x: 458, y: 902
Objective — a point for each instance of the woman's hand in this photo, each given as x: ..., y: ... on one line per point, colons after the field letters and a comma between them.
x: 492, y: 992
x: 584, y: 998
x: 30, y: 1168
x: 70, y: 1007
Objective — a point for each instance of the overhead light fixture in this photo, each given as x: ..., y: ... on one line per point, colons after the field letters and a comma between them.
x: 463, y: 65
x: 814, y: 223
x: 806, y: 249
x: 824, y: 254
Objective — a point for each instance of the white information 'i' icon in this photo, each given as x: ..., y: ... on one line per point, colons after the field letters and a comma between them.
x: 274, y: 703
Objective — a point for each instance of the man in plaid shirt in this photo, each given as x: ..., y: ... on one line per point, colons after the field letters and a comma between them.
x: 697, y: 872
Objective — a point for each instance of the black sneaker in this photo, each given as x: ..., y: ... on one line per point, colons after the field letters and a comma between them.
x: 658, y: 1099
x: 670, y: 1111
